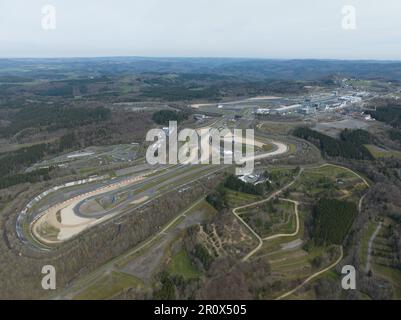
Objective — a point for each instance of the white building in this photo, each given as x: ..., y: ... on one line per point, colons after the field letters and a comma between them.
x: 288, y: 109
x: 262, y: 111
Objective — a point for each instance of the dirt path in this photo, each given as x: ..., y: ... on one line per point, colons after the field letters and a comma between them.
x: 273, y: 195
x: 370, y: 246
x: 285, y: 235
x: 313, y: 276
x: 261, y: 240
x: 348, y: 169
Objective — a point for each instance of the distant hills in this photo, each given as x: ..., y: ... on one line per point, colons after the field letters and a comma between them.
x: 255, y: 69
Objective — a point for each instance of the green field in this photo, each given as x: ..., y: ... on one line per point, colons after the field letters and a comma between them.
x: 180, y: 265
x: 329, y: 181
x: 378, y: 153
x: 109, y: 285
x: 236, y: 198
x: 270, y: 218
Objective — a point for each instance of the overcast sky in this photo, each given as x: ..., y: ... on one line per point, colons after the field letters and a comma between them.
x: 202, y: 28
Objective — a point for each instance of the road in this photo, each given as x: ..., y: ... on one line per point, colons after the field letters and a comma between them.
x: 84, y: 221
x: 280, y: 149
x: 81, y: 222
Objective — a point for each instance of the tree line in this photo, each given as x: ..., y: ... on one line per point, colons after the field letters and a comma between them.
x: 332, y: 220
x: 52, y: 118
x: 12, y: 163
x: 349, y: 146
x: 163, y: 117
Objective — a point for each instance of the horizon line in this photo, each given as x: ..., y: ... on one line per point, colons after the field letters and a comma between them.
x: 196, y: 57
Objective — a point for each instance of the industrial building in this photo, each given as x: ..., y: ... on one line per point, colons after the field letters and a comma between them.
x: 263, y: 111
x: 288, y: 109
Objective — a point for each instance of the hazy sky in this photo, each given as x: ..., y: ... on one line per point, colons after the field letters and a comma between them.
x: 202, y: 28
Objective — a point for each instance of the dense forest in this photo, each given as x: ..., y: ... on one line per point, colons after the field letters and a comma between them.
x: 176, y: 93
x: 332, y: 220
x: 32, y: 177
x: 14, y: 162
x: 53, y: 118
x: 217, y: 198
x: 357, y: 136
x: 388, y: 114
x: 350, y: 145
x: 395, y: 135
x: 163, y: 117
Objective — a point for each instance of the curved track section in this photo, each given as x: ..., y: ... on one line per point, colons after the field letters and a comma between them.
x: 63, y: 220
